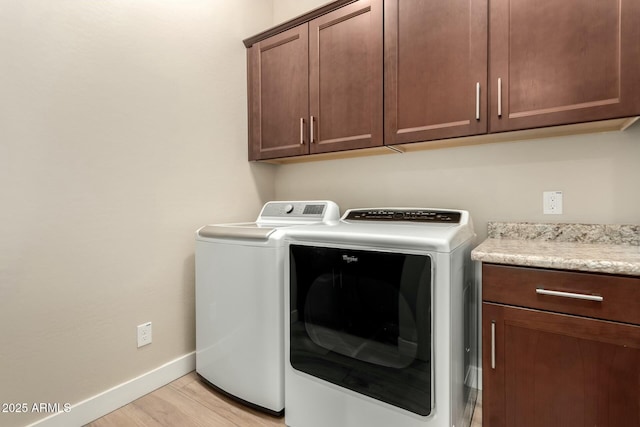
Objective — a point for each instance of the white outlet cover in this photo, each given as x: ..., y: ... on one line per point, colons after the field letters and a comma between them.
x: 552, y: 202
x: 144, y: 334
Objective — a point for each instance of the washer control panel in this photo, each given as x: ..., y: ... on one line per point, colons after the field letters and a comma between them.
x: 412, y: 215
x: 294, y: 209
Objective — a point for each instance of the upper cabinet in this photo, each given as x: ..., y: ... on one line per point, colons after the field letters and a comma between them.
x: 279, y: 95
x: 345, y: 78
x: 317, y: 87
x: 435, y: 69
x: 557, y: 62
x: 452, y: 68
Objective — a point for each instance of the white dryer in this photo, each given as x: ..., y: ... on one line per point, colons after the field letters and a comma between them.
x: 239, y: 301
x: 381, y: 320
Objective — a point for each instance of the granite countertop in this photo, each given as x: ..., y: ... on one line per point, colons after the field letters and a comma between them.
x: 613, y: 249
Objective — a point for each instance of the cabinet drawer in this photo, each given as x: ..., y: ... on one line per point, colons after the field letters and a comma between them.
x: 609, y: 297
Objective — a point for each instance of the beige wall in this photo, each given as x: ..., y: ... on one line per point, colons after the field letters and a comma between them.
x: 284, y: 10
x: 122, y: 129
x: 599, y: 175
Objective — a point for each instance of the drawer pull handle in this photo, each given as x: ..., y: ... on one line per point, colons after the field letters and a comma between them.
x: 493, y: 344
x: 541, y: 291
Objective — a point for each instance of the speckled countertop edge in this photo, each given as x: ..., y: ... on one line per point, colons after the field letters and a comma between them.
x: 613, y: 234
x: 612, y: 249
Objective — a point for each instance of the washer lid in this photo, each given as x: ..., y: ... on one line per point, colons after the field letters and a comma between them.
x: 248, y: 230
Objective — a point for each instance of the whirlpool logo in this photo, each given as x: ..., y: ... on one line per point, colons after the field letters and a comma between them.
x: 349, y: 259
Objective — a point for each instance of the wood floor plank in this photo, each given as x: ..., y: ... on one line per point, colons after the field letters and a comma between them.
x: 476, y: 420
x: 129, y: 415
x: 229, y: 408
x: 169, y: 407
x: 184, y: 380
x: 190, y: 402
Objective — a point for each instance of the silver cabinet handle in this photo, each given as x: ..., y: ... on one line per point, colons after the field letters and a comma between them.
x: 478, y: 101
x: 542, y: 291
x: 493, y: 344
x: 499, y: 97
x: 312, y: 140
x: 301, y: 130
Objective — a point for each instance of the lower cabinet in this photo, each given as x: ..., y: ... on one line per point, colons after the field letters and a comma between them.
x: 544, y: 369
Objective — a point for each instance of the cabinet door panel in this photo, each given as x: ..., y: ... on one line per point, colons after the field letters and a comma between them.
x: 279, y: 88
x: 553, y: 369
x: 435, y: 55
x: 345, y: 58
x: 563, y: 62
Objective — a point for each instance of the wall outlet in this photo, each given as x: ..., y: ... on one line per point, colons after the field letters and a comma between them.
x: 144, y: 334
x: 552, y: 202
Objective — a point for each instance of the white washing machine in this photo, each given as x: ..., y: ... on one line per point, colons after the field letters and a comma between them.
x: 239, y: 301
x: 380, y: 320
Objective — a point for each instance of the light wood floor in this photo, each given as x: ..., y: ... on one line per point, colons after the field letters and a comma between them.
x: 189, y: 402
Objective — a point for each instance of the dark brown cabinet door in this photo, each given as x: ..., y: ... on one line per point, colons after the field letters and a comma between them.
x: 278, y: 74
x: 558, y: 370
x: 435, y: 69
x: 558, y: 62
x: 345, y: 57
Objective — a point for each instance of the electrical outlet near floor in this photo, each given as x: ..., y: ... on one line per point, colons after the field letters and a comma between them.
x: 144, y: 334
x: 552, y: 202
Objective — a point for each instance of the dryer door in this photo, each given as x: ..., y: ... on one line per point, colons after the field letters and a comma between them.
x: 362, y: 320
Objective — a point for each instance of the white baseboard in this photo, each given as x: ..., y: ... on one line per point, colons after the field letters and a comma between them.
x: 101, y: 404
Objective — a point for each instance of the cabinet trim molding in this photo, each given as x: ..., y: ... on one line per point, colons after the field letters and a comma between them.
x: 294, y: 22
x: 612, y: 125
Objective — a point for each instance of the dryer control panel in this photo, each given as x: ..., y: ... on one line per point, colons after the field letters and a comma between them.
x: 412, y: 215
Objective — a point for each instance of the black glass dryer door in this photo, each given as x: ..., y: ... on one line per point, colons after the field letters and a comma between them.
x: 362, y: 320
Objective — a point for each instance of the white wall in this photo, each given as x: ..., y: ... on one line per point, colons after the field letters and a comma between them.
x: 123, y: 128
